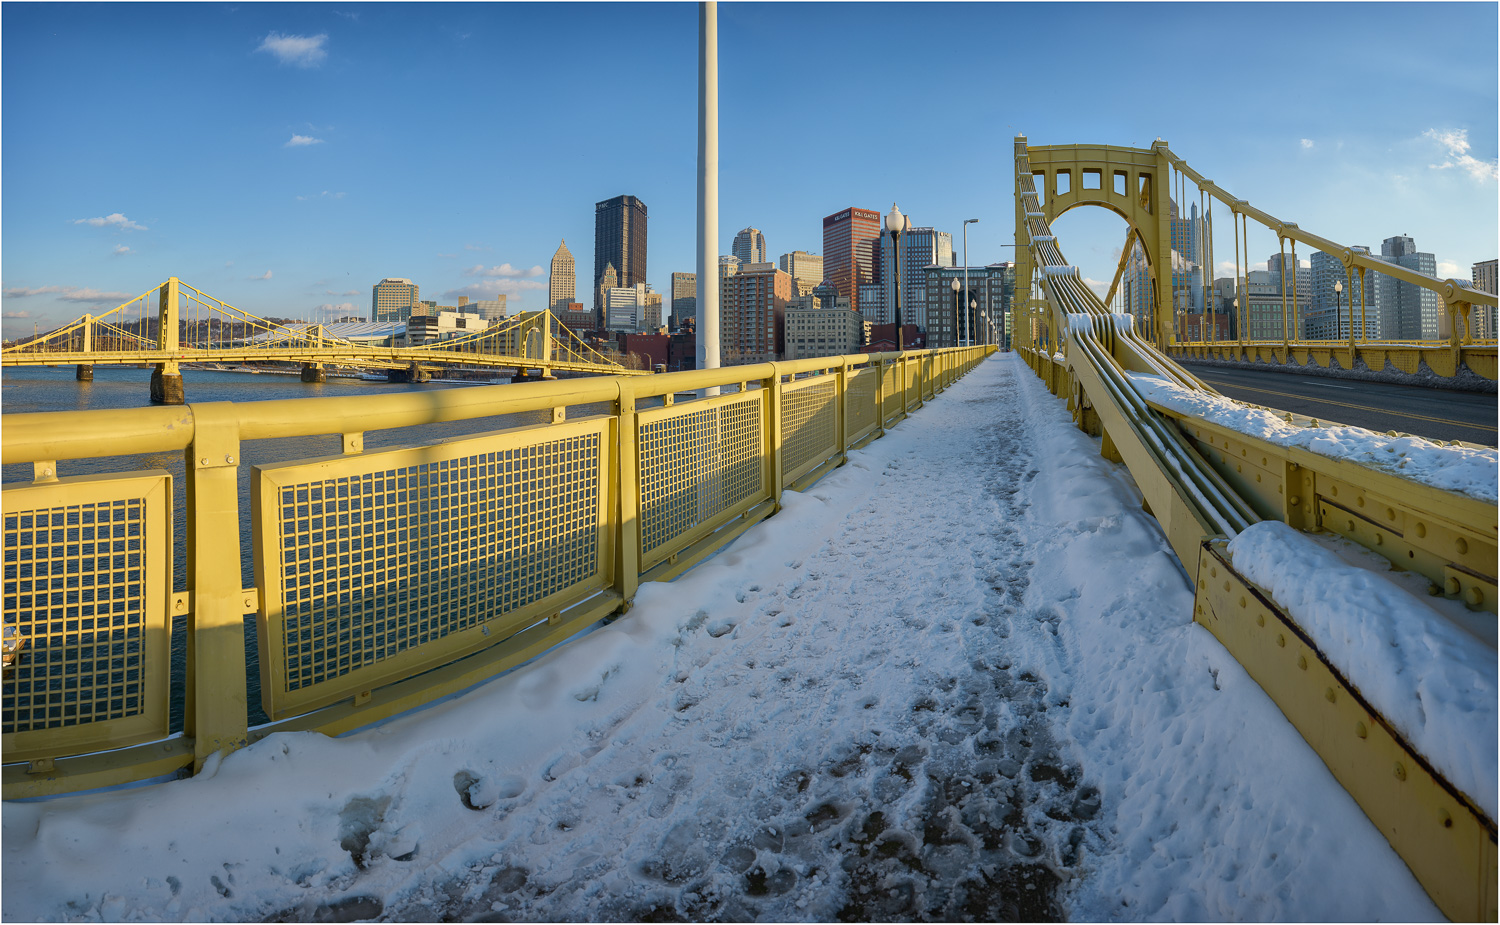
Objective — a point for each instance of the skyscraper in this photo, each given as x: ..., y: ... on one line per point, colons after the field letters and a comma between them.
x: 1407, y: 311
x: 619, y: 239
x: 392, y: 299
x: 1482, y: 317
x: 851, y: 248
x: 920, y: 248
x: 752, y: 309
x: 562, y: 284
x: 608, y: 280
x: 750, y: 245
x: 684, y: 298
x: 806, y: 270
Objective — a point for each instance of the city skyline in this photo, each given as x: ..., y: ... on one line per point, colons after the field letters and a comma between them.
x: 299, y: 164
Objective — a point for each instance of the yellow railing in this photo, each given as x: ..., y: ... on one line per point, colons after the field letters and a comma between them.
x: 388, y: 578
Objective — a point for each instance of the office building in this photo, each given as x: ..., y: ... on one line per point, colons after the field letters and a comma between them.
x: 1482, y: 322
x: 749, y: 246
x: 821, y: 324
x: 1407, y: 311
x: 920, y: 248
x: 851, y: 252
x: 684, y: 298
x: 578, y: 319
x: 625, y: 308
x: 806, y: 270
x: 392, y: 299
x: 608, y: 280
x: 752, y: 312
x: 619, y: 241
x: 651, y: 311
x: 444, y: 324
x: 991, y: 288
x: 562, y: 282
x: 488, y: 309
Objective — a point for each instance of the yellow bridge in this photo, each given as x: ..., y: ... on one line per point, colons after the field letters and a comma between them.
x: 189, y: 326
x: 381, y: 579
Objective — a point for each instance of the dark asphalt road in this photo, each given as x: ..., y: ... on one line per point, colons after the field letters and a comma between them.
x: 1436, y: 414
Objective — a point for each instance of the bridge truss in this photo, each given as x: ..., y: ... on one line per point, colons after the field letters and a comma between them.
x: 1206, y: 483
x: 186, y: 325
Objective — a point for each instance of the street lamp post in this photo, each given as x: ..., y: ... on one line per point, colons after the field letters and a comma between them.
x: 1338, y: 293
x: 956, y: 302
x: 973, y: 305
x: 967, y: 222
x: 896, y: 223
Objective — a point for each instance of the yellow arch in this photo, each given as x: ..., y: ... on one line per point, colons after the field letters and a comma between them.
x: 1131, y: 182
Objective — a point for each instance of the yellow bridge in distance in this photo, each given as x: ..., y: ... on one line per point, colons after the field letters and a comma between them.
x: 189, y: 326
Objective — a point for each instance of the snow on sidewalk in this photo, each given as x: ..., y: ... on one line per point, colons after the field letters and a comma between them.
x: 956, y: 679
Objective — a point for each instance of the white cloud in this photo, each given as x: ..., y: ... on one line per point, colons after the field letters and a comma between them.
x: 343, y: 308
x: 1307, y: 143
x: 114, y: 218
x: 1101, y: 288
x: 504, y: 269
x: 489, y: 288
x: 1447, y: 269
x: 94, y: 295
x: 323, y: 195
x: 296, y: 50
x: 1457, y: 143
x: 67, y: 293
x: 352, y: 17
x: 122, y: 249
x: 265, y: 275
x: 300, y: 141
x: 15, y: 316
x: 476, y: 247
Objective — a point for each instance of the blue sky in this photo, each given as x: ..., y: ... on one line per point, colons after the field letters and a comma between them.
x: 285, y: 156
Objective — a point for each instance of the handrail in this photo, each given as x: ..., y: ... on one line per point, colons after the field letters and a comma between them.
x: 662, y: 487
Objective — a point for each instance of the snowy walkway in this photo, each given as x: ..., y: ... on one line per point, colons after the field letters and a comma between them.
x: 954, y: 680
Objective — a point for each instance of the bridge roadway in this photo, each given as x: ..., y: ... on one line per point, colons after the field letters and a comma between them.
x: 1437, y: 414
x: 955, y: 679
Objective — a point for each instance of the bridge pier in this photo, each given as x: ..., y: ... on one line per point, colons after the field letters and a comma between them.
x: 542, y: 375
x: 84, y: 372
x: 314, y: 372
x: 166, y: 385
x: 412, y: 373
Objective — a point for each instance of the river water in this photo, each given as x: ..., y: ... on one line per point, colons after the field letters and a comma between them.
x: 44, y: 389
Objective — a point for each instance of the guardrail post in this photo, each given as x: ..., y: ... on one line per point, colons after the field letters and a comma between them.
x: 774, y: 466
x: 881, y: 372
x: 627, y: 490
x: 841, y: 407
x: 215, y: 713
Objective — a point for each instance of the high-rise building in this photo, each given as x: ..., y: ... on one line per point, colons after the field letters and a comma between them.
x: 851, y: 250
x: 488, y: 309
x: 806, y: 270
x: 821, y: 324
x: 620, y: 241
x: 684, y: 298
x: 1482, y: 322
x: 750, y: 246
x: 752, y: 312
x: 1406, y: 311
x: 625, y: 308
x: 392, y: 299
x: 920, y: 248
x: 608, y: 280
x: 562, y: 283
x: 991, y: 289
x: 651, y: 311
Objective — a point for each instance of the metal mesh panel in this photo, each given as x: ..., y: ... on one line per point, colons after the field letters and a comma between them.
x: 809, y: 425
x: 859, y: 401
x: 891, y: 391
x: 380, y: 563
x: 696, y: 465
x: 88, y: 565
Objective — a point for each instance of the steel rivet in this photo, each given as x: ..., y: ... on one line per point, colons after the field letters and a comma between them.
x: 1281, y: 640
x: 1447, y: 819
x: 1400, y: 771
x: 1213, y: 572
x: 1302, y: 662
x: 203, y: 461
x: 1379, y: 539
x: 1226, y: 586
x: 1260, y: 619
x: 1294, y: 500
x: 1361, y: 731
x: 1360, y: 501
x: 1475, y: 597
x: 1335, y: 491
x: 1390, y: 513
x: 1329, y: 695
x: 1242, y: 600
x: 1202, y: 583
x: 1462, y: 545
x: 1421, y: 529
x: 1452, y: 585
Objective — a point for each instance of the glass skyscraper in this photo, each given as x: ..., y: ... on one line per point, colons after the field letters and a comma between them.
x: 619, y: 239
